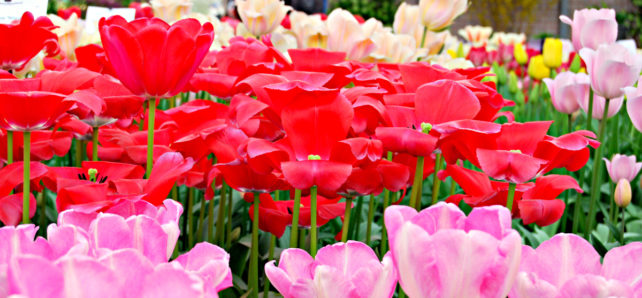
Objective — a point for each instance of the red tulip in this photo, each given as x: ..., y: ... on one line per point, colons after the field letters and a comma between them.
x: 17, y: 99
x: 327, y: 209
x: 27, y: 38
x: 44, y: 145
x: 11, y: 177
x: 105, y: 172
x: 274, y: 216
x: 65, y: 13
x: 121, y: 146
x: 152, y: 58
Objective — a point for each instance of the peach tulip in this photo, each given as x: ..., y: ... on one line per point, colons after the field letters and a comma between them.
x: 437, y: 15
x: 611, y: 68
x: 171, y: 10
x: 310, y: 30
x: 345, y: 34
x: 477, y: 35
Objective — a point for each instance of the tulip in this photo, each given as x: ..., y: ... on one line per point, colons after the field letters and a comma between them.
x: 171, y: 10
x: 622, y: 195
x: 15, y: 55
x: 552, y: 53
x: 567, y: 90
x: 432, y: 250
x: 611, y: 68
x: 69, y: 32
x: 634, y: 104
x: 345, y: 34
x: 477, y: 35
x: 622, y: 167
x: 537, y: 69
x: 592, y: 28
x: 349, y: 269
x: 261, y: 16
x: 311, y: 31
x: 437, y: 15
x: 598, y: 106
x: 408, y: 21
x: 134, y: 50
x: 507, y: 38
x: 580, y: 274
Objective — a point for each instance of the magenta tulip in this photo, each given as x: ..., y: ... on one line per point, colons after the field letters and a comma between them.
x: 568, y: 90
x: 349, y: 269
x: 592, y: 27
x: 439, y: 252
x: 611, y: 68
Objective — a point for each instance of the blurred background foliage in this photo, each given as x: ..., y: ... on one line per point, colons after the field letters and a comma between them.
x: 631, y: 22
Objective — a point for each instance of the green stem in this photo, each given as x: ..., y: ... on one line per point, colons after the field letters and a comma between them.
x: 210, y: 221
x: 415, y: 194
x: 589, y: 117
x: 346, y: 220
x: 266, y: 284
x: 453, y: 185
x: 356, y: 223
x: 221, y: 213
x: 436, y: 182
x: 313, y: 221
x: 190, y: 218
x: 9, y: 147
x: 228, y: 229
x: 569, y: 123
x: 94, y: 144
x: 622, y: 224
x: 78, y: 160
x: 423, y: 37
x: 26, y: 158
x: 597, y: 166
x: 42, y: 200
x: 150, y: 134
x: 254, y: 254
x: 371, y: 208
x: 384, y: 232
x: 201, y: 215
x: 294, y: 232
x: 511, y: 196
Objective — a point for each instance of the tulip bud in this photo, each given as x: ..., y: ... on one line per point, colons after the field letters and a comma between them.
x: 512, y: 82
x: 502, y: 78
x: 576, y: 64
x: 537, y: 69
x: 552, y: 52
x: 520, y: 53
x: 622, y: 193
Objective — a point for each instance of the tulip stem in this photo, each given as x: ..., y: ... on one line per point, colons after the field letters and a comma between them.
x: 201, y: 216
x: 346, y: 220
x: 511, y: 196
x: 78, y: 160
x: 415, y: 194
x: 597, y: 163
x: 42, y: 200
x: 423, y: 37
x: 228, y: 227
x: 294, y: 232
x: 254, y: 254
x: 151, y: 110
x: 190, y: 218
x: 26, y: 167
x: 221, y: 213
x: 266, y: 284
x: 313, y: 221
x: 9, y: 147
x: 210, y: 218
x: 622, y: 224
x: 436, y: 182
x: 371, y: 207
x: 94, y: 144
x: 590, y: 111
x: 384, y: 232
x: 356, y: 224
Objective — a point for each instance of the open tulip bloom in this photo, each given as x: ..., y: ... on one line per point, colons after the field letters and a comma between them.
x: 317, y: 156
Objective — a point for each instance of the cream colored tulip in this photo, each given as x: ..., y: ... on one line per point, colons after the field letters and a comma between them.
x: 262, y: 16
x: 506, y: 38
x: 393, y: 48
x: 171, y: 10
x: 439, y: 14
x: 310, y: 30
x: 447, y: 61
x: 477, y: 35
x: 223, y: 31
x: 407, y: 20
x: 69, y: 33
x: 345, y: 34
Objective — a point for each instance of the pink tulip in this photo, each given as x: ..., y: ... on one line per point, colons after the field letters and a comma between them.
x: 611, y: 68
x: 622, y: 167
x: 439, y: 252
x: 349, y: 269
x: 568, y: 266
x: 592, y: 27
x: 598, y: 106
x: 210, y: 263
x: 568, y: 90
x: 634, y: 104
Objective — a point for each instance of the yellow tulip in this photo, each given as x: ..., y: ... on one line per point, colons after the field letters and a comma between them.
x: 520, y: 54
x: 261, y: 16
x: 622, y: 195
x: 537, y: 69
x: 552, y: 52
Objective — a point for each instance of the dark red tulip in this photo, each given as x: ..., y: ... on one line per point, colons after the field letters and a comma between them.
x: 152, y: 58
x: 30, y: 37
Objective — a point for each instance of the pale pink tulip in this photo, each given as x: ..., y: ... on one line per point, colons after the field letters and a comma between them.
x: 622, y: 167
x: 349, y: 269
x: 611, y: 68
x: 568, y: 266
x: 634, y: 104
x: 439, y: 252
x: 568, y: 90
x: 210, y: 263
x: 437, y: 15
x: 598, y: 106
x: 592, y: 28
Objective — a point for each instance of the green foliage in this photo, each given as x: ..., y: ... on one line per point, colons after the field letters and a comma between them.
x: 631, y: 22
x: 382, y: 10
